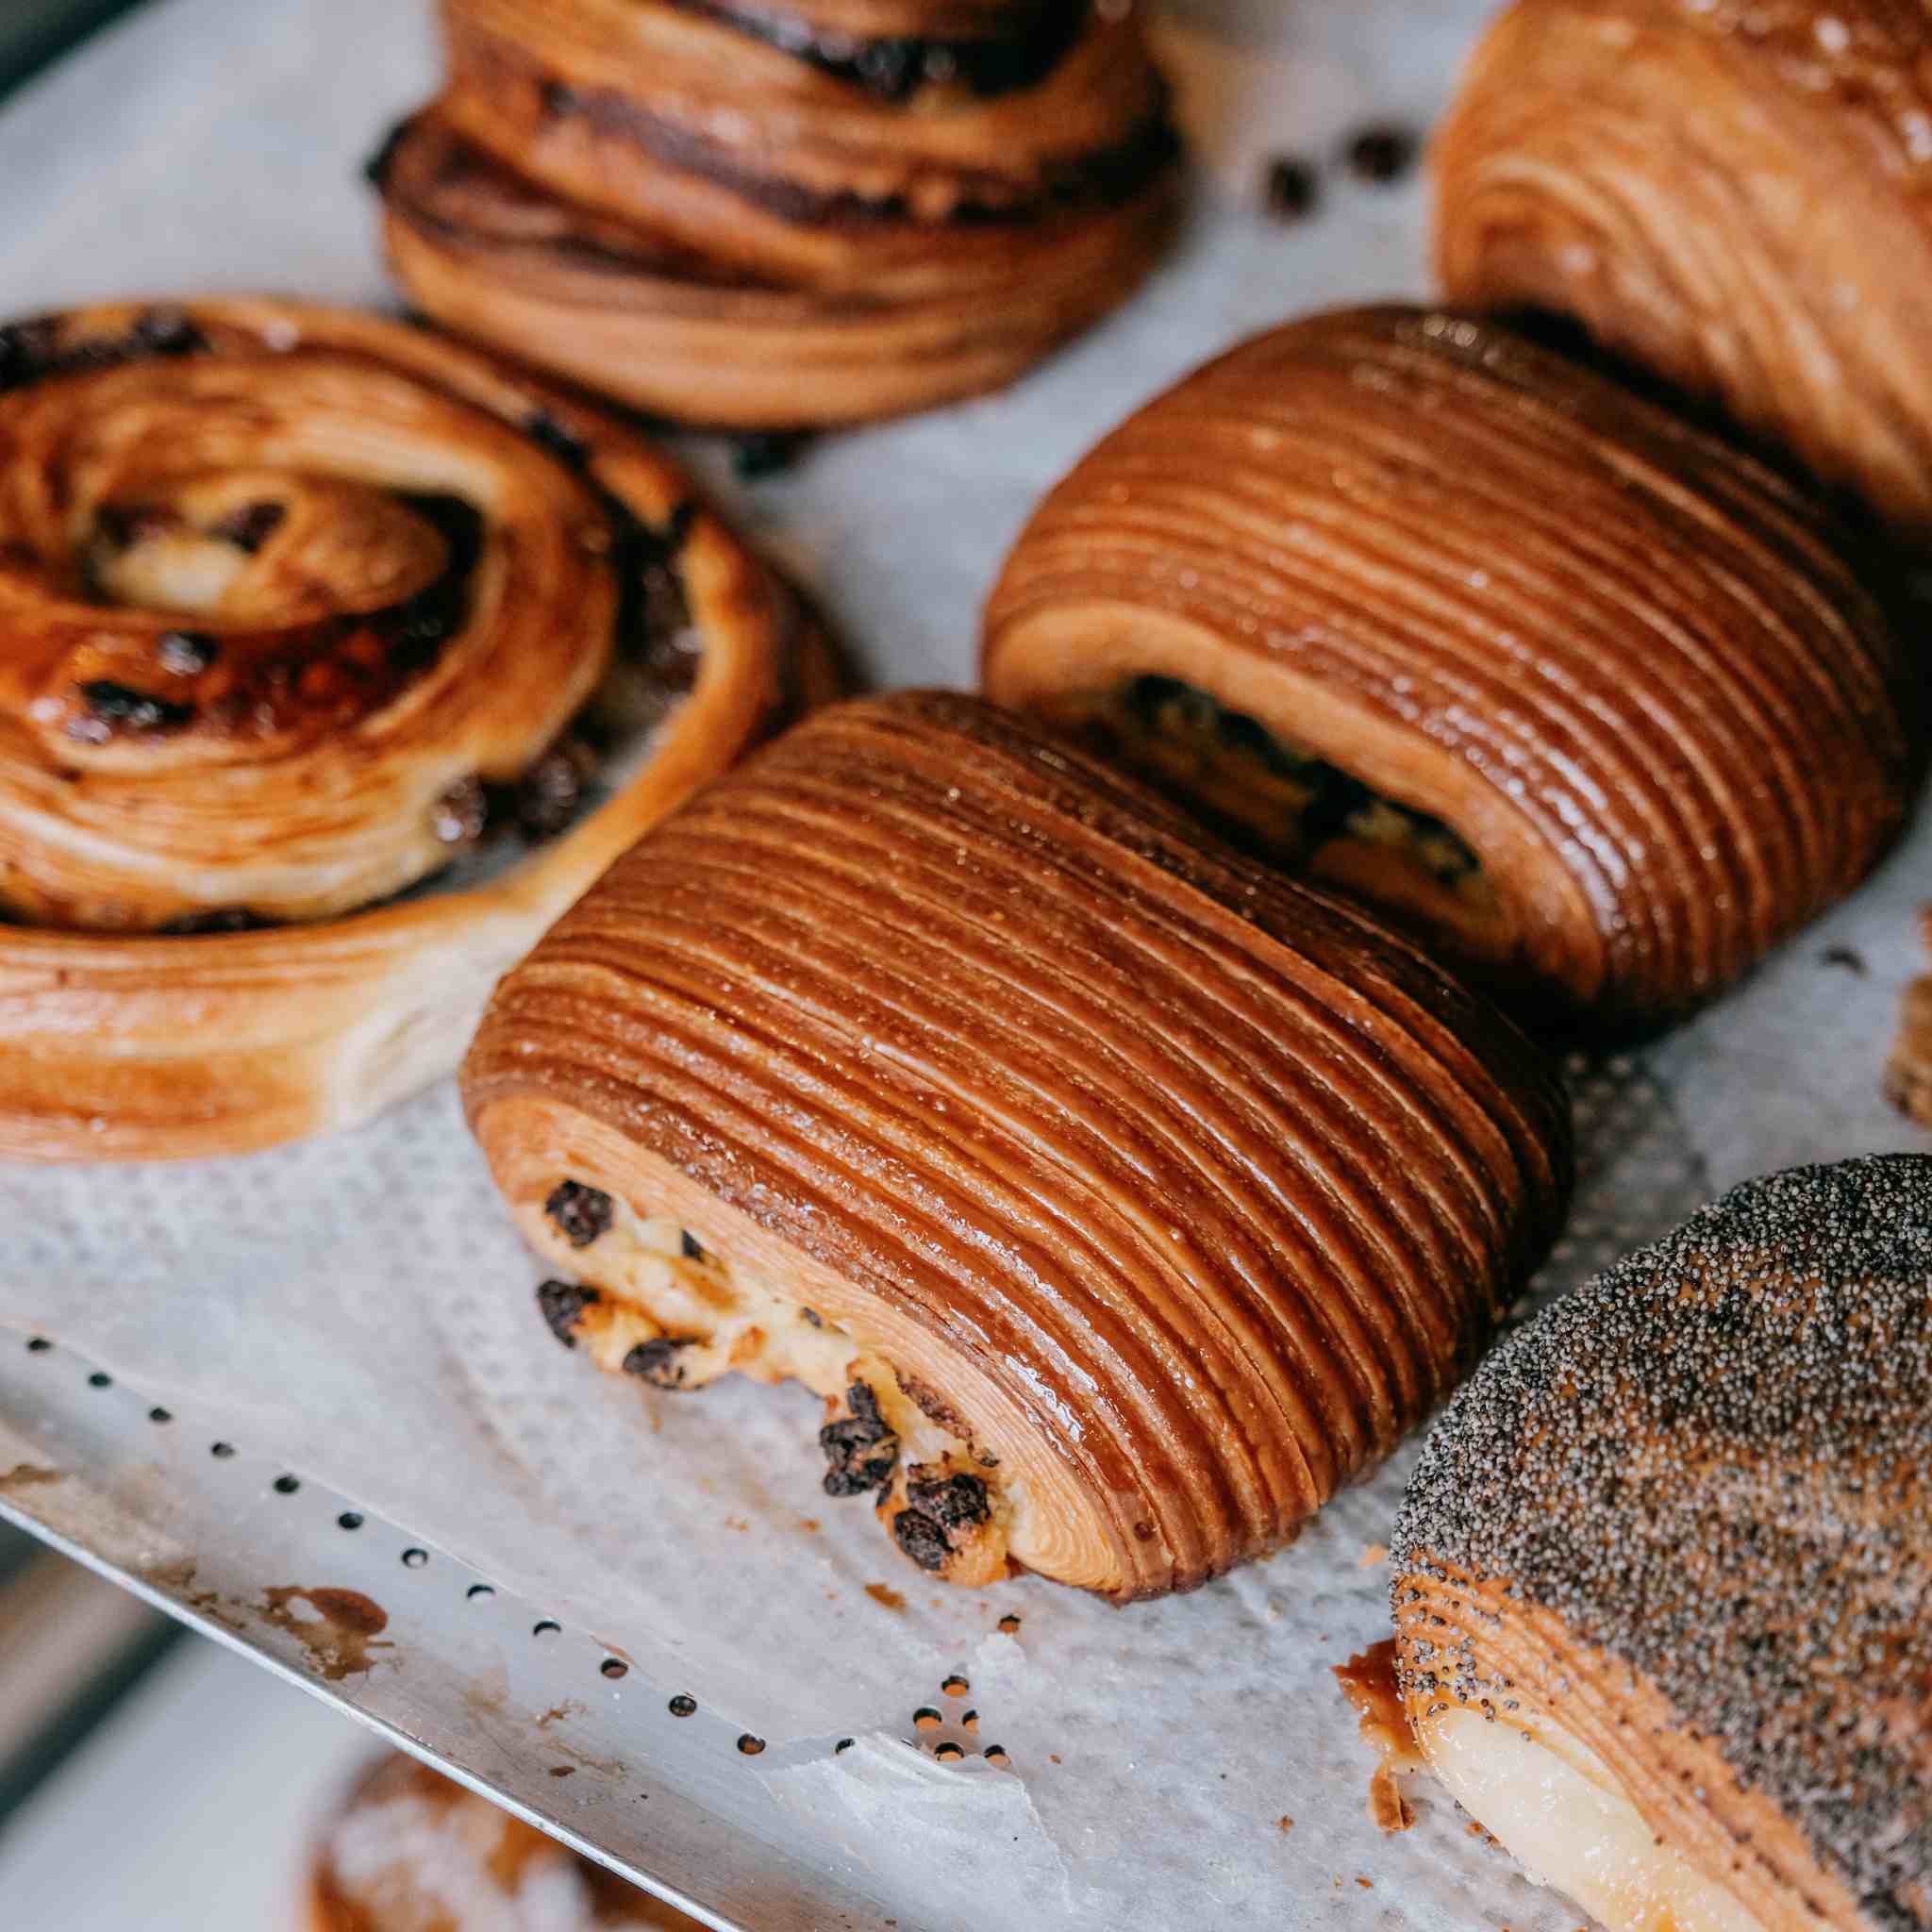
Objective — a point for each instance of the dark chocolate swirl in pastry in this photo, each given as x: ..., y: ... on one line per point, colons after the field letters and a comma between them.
x: 411, y: 1851
x: 1663, y: 1583
x: 293, y: 606
x: 1590, y: 701
x: 1122, y: 1200
x: 659, y: 197
x: 1738, y: 195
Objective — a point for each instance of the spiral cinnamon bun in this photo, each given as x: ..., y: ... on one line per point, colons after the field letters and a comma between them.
x: 781, y: 217
x: 297, y: 607
x: 1664, y: 1582
x: 1121, y: 1200
x: 411, y: 1851
x: 1735, y: 195
x: 1592, y: 703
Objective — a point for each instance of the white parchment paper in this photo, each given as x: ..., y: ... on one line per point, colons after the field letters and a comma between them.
x: 360, y: 1306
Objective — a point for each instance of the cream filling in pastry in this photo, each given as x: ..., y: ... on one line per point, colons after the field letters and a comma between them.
x: 1563, y: 1814
x: 1307, y: 815
x: 659, y: 1306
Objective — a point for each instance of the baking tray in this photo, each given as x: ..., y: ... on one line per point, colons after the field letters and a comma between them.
x: 213, y: 144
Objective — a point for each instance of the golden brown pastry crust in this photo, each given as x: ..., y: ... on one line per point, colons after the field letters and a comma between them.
x: 133, y: 1043
x: 412, y: 1852
x: 661, y: 197
x: 1738, y: 196
x: 1176, y: 1194
x: 1631, y: 672
x: 1909, y: 1070
x: 1677, y: 1531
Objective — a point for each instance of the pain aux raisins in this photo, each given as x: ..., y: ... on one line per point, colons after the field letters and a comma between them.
x: 861, y: 1451
x: 582, y: 1215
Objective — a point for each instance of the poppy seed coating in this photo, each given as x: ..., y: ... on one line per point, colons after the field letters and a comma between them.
x: 1713, y: 1464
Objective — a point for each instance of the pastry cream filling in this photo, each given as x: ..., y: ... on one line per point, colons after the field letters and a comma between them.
x: 672, y: 1313
x: 1307, y: 814
x: 1567, y: 1820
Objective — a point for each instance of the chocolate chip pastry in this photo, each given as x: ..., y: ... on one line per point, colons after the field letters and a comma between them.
x: 411, y: 1851
x: 1121, y: 1200
x: 1664, y: 1582
x: 1738, y: 196
x: 771, y: 217
x: 295, y: 608
x: 1594, y: 705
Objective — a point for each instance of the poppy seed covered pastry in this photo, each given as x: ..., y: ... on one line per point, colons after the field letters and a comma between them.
x: 1588, y: 701
x: 783, y: 216
x: 1738, y: 195
x: 1122, y: 1200
x: 1664, y: 1582
x: 298, y: 608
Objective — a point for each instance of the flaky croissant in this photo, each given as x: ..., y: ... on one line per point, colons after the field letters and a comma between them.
x: 1590, y: 701
x: 1122, y: 1200
x: 747, y: 217
x: 1738, y: 195
x: 292, y: 604
x: 1663, y: 1583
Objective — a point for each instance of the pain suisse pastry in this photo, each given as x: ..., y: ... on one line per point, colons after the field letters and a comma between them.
x: 1591, y: 703
x: 296, y: 608
x: 1664, y: 1582
x: 1122, y: 1200
x: 1736, y: 195
x: 783, y: 216
x: 411, y: 1851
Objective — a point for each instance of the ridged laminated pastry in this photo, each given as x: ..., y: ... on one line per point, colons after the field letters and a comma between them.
x: 1591, y: 702
x: 1738, y: 195
x: 297, y: 607
x: 1122, y: 1201
x: 1664, y: 1582
x: 749, y: 216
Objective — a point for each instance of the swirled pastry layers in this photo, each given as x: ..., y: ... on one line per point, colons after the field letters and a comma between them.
x: 1738, y: 195
x: 1121, y: 1200
x: 411, y: 1851
x: 1587, y: 699
x: 1663, y: 1594
x: 290, y: 603
x: 750, y: 217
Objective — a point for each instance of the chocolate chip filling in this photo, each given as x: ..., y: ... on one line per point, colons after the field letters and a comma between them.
x: 550, y: 794
x: 32, y: 351
x: 462, y: 813
x: 861, y: 1451
x: 562, y: 1305
x: 187, y: 652
x: 660, y: 1362
x: 582, y: 1214
x: 937, y: 1509
x: 112, y: 707
x: 251, y: 526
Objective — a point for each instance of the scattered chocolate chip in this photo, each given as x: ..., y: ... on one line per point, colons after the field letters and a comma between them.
x: 1381, y: 154
x: 187, y: 652
x: 682, y: 1706
x: 766, y: 454
x: 551, y: 793
x: 750, y: 1745
x: 1847, y: 956
x: 693, y: 1248
x: 1290, y: 186
x: 251, y: 526
x: 562, y: 1305
x: 861, y: 1450
x: 922, y: 1538
x: 953, y: 1501
x: 109, y: 703
x: 461, y: 815
x: 660, y: 1362
x: 582, y: 1214
x: 843, y: 1744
